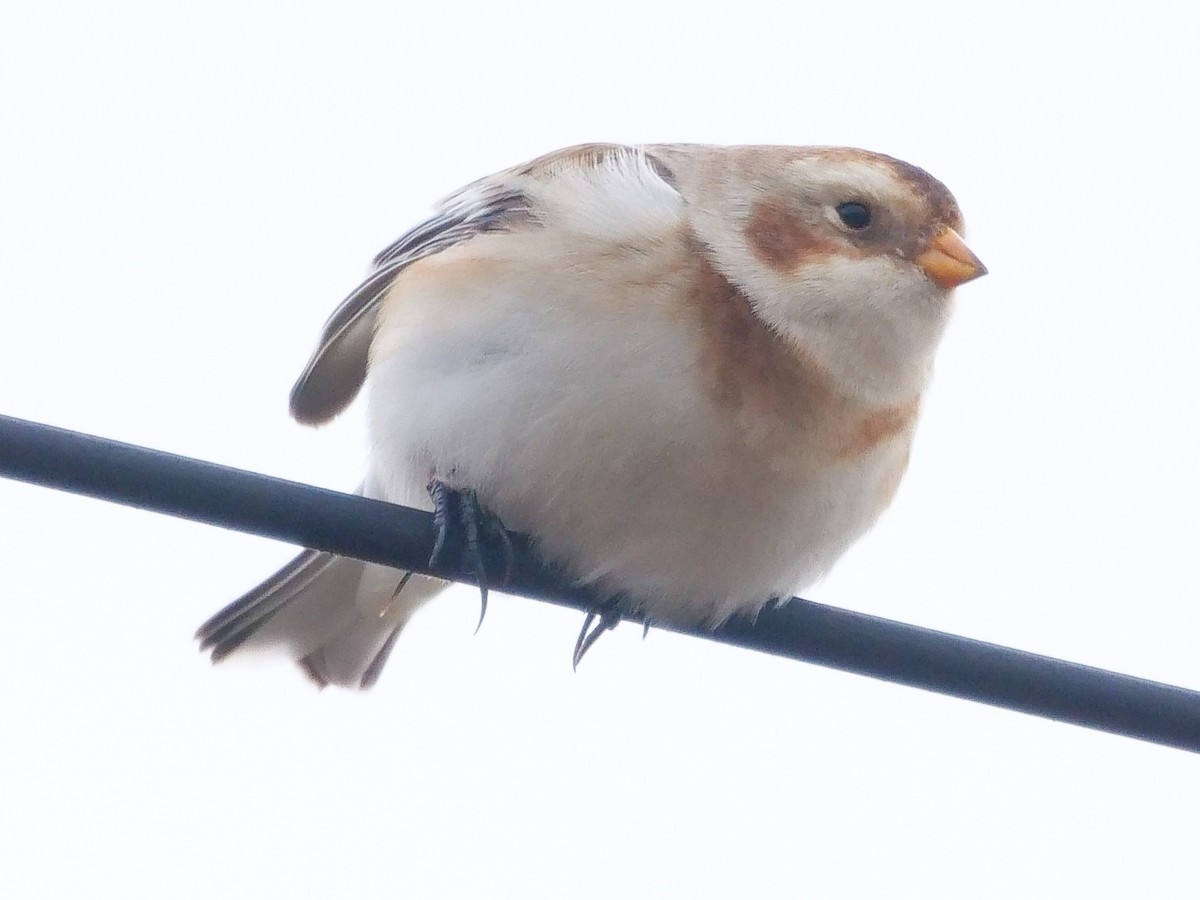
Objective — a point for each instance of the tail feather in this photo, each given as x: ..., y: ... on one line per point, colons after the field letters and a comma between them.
x: 237, y: 622
x: 337, y: 617
x: 324, y: 664
x: 375, y: 667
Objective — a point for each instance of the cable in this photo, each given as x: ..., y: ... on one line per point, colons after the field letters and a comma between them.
x: 401, y: 537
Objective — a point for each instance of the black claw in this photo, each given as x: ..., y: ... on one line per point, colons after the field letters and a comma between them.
x: 443, y: 512
x: 609, y: 619
x: 400, y: 586
x: 580, y: 649
x: 472, y: 553
x: 497, y: 530
x: 454, y: 509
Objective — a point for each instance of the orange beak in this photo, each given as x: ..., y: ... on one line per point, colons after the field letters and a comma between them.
x: 948, y: 261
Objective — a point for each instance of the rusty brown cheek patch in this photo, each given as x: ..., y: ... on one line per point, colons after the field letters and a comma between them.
x: 775, y: 391
x: 780, y: 238
x: 872, y: 430
x: 743, y: 363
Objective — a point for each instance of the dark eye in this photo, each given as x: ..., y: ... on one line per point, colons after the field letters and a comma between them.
x: 854, y: 215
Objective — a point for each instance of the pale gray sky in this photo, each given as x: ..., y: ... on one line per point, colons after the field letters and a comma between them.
x: 187, y: 189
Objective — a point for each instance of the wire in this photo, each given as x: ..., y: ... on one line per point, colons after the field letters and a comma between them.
x: 401, y: 537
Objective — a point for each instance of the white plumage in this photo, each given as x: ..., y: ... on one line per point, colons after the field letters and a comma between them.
x: 675, y: 367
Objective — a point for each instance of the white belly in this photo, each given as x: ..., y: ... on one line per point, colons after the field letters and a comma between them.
x: 592, y: 434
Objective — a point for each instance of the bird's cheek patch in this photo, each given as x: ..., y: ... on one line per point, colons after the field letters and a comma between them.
x: 781, y: 239
x: 882, y: 425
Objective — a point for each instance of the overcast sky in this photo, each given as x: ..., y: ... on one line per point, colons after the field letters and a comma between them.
x: 187, y: 190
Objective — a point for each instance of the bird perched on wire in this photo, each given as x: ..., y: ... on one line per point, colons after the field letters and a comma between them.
x: 690, y: 374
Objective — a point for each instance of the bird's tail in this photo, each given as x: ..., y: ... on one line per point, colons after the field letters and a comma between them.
x: 337, y: 617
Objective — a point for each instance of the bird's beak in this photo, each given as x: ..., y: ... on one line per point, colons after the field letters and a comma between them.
x: 948, y: 261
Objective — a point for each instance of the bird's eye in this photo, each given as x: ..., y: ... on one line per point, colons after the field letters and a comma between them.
x: 854, y: 215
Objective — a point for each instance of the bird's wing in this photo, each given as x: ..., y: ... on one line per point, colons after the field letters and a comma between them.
x: 519, y: 198
x: 338, y: 367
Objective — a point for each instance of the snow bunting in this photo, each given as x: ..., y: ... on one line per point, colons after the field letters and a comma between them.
x: 690, y: 374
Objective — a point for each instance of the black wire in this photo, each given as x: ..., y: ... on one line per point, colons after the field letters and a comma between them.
x: 397, y: 536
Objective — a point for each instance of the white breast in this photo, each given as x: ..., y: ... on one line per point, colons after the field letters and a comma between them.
x: 558, y: 381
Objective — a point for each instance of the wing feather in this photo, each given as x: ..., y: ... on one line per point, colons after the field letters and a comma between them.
x: 506, y: 201
x: 338, y: 368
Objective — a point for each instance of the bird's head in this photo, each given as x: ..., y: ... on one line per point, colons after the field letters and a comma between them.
x: 850, y: 256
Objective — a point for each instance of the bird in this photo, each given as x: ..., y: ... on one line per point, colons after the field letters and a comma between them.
x: 690, y: 374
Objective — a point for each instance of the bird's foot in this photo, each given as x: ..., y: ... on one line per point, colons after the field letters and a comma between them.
x: 472, y: 533
x: 606, y: 616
